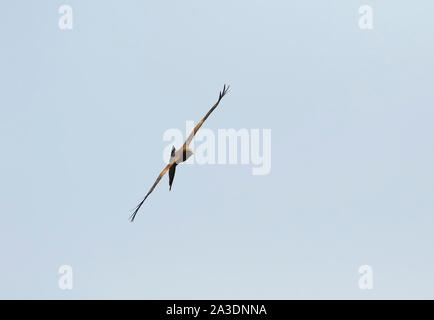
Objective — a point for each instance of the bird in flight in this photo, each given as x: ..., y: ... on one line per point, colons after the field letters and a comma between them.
x: 180, y: 155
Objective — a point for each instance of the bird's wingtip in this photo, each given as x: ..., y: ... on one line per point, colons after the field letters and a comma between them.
x: 133, y: 215
x: 224, y: 91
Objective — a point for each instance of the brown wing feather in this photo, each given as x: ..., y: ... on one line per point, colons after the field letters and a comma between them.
x: 133, y: 215
x: 197, y: 127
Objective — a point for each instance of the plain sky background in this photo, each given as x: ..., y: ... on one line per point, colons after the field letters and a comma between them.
x: 82, y: 117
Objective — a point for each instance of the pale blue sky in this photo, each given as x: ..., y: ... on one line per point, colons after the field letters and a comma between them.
x: 82, y: 117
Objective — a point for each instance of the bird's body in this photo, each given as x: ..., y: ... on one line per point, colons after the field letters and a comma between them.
x: 180, y: 155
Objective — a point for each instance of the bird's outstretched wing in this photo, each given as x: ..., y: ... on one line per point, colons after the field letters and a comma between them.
x: 133, y: 215
x: 197, y: 127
